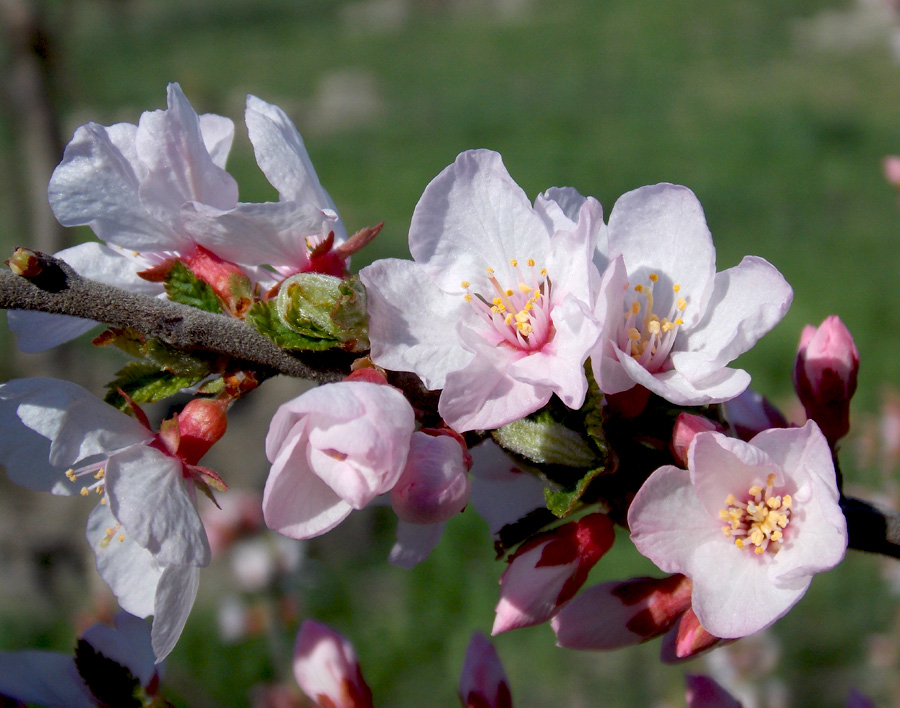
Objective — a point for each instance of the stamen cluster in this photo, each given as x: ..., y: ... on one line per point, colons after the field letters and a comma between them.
x: 649, y: 339
x: 760, y: 520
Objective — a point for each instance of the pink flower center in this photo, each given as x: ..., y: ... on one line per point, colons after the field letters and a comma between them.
x: 758, y: 522
x: 521, y: 315
x: 642, y: 335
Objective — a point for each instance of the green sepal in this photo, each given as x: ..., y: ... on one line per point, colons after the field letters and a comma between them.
x: 183, y: 286
x: 263, y: 316
x: 152, y: 351
x: 542, y: 439
x: 212, y: 387
x: 146, y: 383
x: 325, y: 307
x: 563, y: 502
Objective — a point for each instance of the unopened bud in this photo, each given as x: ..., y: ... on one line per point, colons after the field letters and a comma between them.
x: 327, y: 670
x: 435, y: 483
x: 687, y: 639
x: 201, y: 423
x: 703, y: 692
x: 483, y: 682
x: 687, y: 425
x: 825, y: 375
x: 622, y: 613
x: 751, y: 413
x: 25, y: 263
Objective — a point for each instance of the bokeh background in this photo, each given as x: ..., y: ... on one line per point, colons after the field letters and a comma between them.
x: 777, y: 114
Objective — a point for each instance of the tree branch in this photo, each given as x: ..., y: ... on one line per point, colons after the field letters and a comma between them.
x: 872, y: 528
x: 50, y: 285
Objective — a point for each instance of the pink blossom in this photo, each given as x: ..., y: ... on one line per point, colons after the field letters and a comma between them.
x: 483, y: 682
x: 146, y: 534
x: 622, y: 613
x: 778, y: 499
x: 671, y: 323
x: 334, y: 449
x: 326, y: 668
x: 548, y: 569
x: 495, y: 309
x: 686, y: 427
x: 825, y: 375
x: 435, y: 483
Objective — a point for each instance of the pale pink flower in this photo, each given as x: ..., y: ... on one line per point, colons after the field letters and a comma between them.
x: 703, y: 692
x: 334, y: 449
x: 825, y: 375
x: 495, y: 309
x: 146, y: 534
x: 622, y: 613
x: 548, y: 569
x: 671, y: 323
x: 326, y: 668
x: 748, y: 523
x: 483, y: 682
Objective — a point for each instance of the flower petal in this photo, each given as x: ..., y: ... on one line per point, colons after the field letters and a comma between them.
x: 44, y: 678
x: 175, y: 595
x: 128, y: 644
x: 414, y: 543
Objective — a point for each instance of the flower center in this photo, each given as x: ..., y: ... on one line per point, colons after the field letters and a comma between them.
x: 642, y: 335
x: 97, y: 473
x: 759, y: 522
x: 520, y: 315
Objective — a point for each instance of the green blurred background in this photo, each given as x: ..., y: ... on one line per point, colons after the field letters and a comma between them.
x: 777, y: 114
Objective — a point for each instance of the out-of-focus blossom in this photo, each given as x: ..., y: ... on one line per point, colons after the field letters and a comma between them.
x: 671, y: 323
x: 495, y: 309
x: 687, y: 639
x: 483, y: 682
x: 686, y: 427
x: 891, y: 166
x: 622, y: 613
x: 548, y: 569
x: 751, y: 413
x: 435, y: 483
x: 703, y: 692
x: 748, y: 523
x: 334, y: 449
x: 825, y: 375
x: 54, y: 679
x: 146, y: 533
x: 239, y: 513
x: 858, y: 700
x: 327, y: 670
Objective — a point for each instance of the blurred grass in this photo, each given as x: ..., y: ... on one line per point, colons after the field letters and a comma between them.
x: 780, y: 139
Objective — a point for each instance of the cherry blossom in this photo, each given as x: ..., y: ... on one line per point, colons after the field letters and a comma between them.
x: 146, y: 533
x: 326, y: 668
x: 671, y: 323
x: 483, y: 682
x: 748, y: 523
x: 334, y: 449
x: 495, y: 307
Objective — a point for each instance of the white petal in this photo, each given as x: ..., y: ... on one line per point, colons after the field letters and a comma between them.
x: 180, y: 168
x: 78, y: 423
x: 218, y: 134
x: 282, y: 156
x: 473, y: 216
x: 747, y: 301
x: 661, y: 229
x: 721, y: 385
x: 128, y: 644
x: 412, y: 324
x: 44, y: 678
x: 175, y: 595
x: 128, y: 568
x: 415, y: 542
x: 559, y: 207
x: 146, y: 492
x: 96, y: 184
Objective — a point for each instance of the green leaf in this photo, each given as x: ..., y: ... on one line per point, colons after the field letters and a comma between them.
x: 146, y: 383
x: 325, y: 307
x: 154, y: 352
x: 543, y: 440
x: 183, y: 286
x: 108, y: 681
x: 263, y: 316
x: 562, y: 503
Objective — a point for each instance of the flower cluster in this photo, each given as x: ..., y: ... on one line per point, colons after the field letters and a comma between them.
x: 562, y: 373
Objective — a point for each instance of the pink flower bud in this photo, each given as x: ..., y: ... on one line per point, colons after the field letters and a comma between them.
x: 619, y: 614
x: 547, y: 571
x: 483, y: 682
x: 687, y: 425
x: 327, y: 670
x: 703, y: 692
x: 751, y: 413
x: 435, y: 484
x: 201, y: 423
x: 687, y: 640
x: 825, y: 376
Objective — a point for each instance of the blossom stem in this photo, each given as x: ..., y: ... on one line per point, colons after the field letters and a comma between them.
x: 57, y: 289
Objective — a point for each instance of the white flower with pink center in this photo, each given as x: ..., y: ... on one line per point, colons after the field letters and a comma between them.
x: 671, y: 323
x: 748, y: 523
x: 494, y: 309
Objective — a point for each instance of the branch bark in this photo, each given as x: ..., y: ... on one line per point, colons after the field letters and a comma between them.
x: 57, y: 289
x: 872, y: 528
